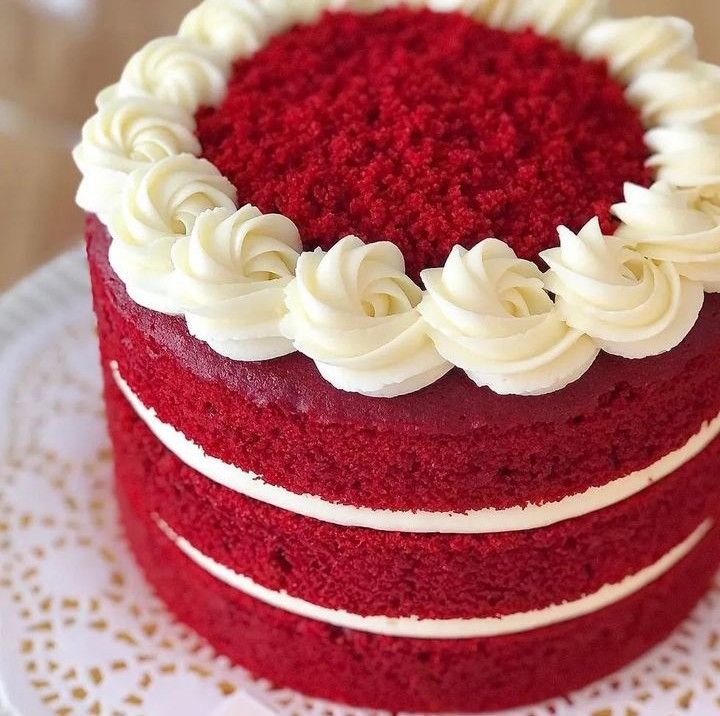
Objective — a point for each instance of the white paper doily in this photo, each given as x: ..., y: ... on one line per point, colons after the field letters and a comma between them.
x: 81, y: 632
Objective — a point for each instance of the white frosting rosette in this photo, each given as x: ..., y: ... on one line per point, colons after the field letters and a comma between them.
x: 278, y: 13
x: 633, y: 306
x: 490, y: 315
x: 473, y: 8
x: 564, y: 19
x: 636, y: 45
x: 685, y: 156
x: 159, y: 206
x: 175, y: 70
x: 239, y: 28
x: 124, y: 135
x: 235, y: 28
x: 687, y: 97
x: 354, y: 312
x: 496, y: 13
x: 683, y: 227
x: 230, y: 278
x: 367, y: 7
x: 309, y: 11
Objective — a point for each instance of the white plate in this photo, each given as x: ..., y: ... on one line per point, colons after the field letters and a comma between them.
x: 82, y: 633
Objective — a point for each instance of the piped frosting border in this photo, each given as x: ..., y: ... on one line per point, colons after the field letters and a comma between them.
x: 244, y: 285
x: 416, y: 628
x: 483, y: 521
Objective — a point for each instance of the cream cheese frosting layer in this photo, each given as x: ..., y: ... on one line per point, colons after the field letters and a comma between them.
x: 416, y: 628
x: 483, y: 521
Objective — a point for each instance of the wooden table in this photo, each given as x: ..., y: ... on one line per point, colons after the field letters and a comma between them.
x: 51, y: 67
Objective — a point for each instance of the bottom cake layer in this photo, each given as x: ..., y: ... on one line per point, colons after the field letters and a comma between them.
x: 405, y: 674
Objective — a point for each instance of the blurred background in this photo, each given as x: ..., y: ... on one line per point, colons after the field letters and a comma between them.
x: 54, y: 57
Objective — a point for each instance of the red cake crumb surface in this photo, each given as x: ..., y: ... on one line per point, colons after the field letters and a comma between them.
x: 427, y: 130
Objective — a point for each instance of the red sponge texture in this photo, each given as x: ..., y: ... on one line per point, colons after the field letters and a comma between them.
x: 397, y: 574
x: 428, y: 130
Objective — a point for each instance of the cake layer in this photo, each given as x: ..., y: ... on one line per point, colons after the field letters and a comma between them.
x: 430, y: 575
x: 414, y: 674
x: 413, y: 627
x: 456, y: 446
x: 485, y: 521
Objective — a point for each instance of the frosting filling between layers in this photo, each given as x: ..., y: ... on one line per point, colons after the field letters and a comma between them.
x: 483, y: 521
x: 417, y: 628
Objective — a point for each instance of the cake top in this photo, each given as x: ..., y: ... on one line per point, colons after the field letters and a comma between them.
x: 425, y: 130
x: 393, y: 141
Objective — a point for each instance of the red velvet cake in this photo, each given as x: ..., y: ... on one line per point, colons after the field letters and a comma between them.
x: 411, y: 341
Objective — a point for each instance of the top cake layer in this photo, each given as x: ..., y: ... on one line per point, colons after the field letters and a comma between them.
x: 427, y: 130
x: 450, y: 447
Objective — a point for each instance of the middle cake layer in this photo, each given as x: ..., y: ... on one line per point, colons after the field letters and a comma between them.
x: 487, y: 520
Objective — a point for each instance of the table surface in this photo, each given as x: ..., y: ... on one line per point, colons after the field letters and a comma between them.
x: 56, y: 54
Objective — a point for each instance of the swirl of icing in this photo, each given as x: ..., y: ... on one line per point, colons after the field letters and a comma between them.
x: 631, y: 305
x: 230, y: 278
x: 489, y: 314
x: 309, y: 11
x: 564, y: 19
x: 235, y: 28
x: 159, y: 205
x: 353, y: 311
x: 277, y: 14
x: 685, y: 156
x: 125, y: 135
x: 367, y: 7
x: 680, y: 226
x: 635, y: 45
x: 689, y: 97
x: 175, y: 70
x: 496, y: 13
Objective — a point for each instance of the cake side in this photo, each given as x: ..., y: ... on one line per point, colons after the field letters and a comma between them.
x: 284, y: 551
